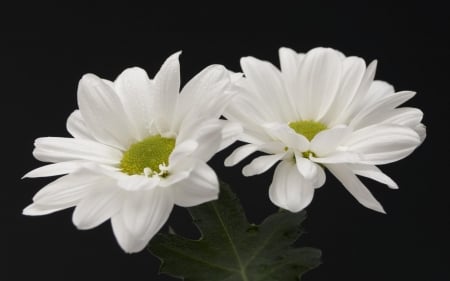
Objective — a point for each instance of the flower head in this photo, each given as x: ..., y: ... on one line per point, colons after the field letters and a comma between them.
x: 138, y: 147
x: 322, y: 110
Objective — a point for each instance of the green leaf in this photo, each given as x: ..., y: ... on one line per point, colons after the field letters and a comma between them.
x: 232, y: 249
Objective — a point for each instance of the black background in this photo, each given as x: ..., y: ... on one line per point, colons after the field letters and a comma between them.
x: 48, y: 49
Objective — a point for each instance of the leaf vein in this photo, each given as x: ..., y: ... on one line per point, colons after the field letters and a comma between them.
x: 241, y: 266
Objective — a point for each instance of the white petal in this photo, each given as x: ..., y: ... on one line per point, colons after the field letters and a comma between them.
x: 145, y: 212
x: 129, y: 242
x: 182, y: 150
x: 235, y: 77
x: 405, y: 116
x: 289, y: 189
x: 202, y: 93
x: 167, y: 82
x: 240, y: 153
x: 53, y: 149
x: 230, y: 133
x: 55, y: 169
x: 273, y: 147
x: 176, y: 177
x: 287, y: 135
x: 421, y: 130
x: 338, y: 157
x: 40, y: 210
x: 99, y: 205
x: 382, y: 144
x: 289, y: 63
x: 373, y: 172
x: 366, y: 83
x: 378, y: 90
x: 261, y: 164
x: 353, y: 69
x: 255, y: 135
x: 306, y: 167
x: 326, y: 142
x: 265, y: 79
x: 374, y: 112
x: 355, y: 187
x: 137, y: 182
x: 77, y: 127
x: 103, y: 113
x: 135, y: 90
x: 201, y: 186
x: 249, y: 109
x: 207, y: 134
x: 68, y: 190
x: 357, y: 103
x: 320, y: 178
x: 319, y: 78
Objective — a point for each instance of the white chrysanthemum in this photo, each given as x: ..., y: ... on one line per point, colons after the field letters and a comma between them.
x: 322, y: 110
x: 139, y: 147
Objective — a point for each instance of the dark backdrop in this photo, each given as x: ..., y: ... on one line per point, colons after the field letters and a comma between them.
x: 49, y: 48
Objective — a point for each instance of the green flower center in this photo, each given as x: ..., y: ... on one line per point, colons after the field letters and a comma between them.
x: 147, y: 155
x: 307, y: 128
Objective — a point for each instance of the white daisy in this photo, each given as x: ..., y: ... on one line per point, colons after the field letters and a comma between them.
x: 322, y: 110
x: 138, y: 148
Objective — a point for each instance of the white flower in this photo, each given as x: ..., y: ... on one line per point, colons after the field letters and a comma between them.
x: 322, y: 110
x: 139, y: 147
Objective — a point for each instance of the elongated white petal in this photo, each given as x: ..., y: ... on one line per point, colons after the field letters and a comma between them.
x: 99, y: 205
x: 230, y: 133
x: 338, y: 157
x: 145, y: 212
x: 373, y: 172
x: 404, y: 116
x: 68, y: 190
x: 289, y: 189
x: 208, y: 134
x: 55, y: 169
x: 372, y: 113
x: 240, y: 153
x: 273, y: 147
x: 421, y: 130
x: 178, y: 176
x: 137, y: 182
x: 355, y: 187
x: 201, y: 186
x: 305, y: 166
x: 35, y: 209
x: 182, y: 150
x: 382, y: 143
x: 378, y: 90
x: 319, y: 78
x: 128, y: 241
x: 53, y: 149
x: 202, y: 91
x: 358, y: 101
x: 353, y: 69
x: 103, y: 113
x: 365, y: 84
x: 287, y: 135
x: 249, y: 109
x: 167, y: 82
x: 265, y: 79
x: 136, y: 92
x: 326, y: 142
x: 289, y: 63
x: 77, y: 127
x: 320, y: 178
x: 261, y: 164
